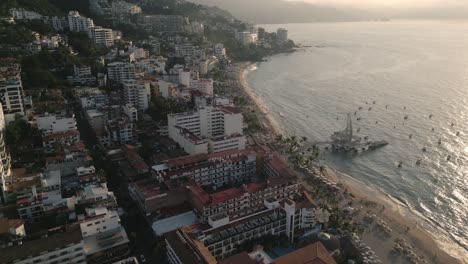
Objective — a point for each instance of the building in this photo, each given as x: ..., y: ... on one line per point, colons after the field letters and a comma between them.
x: 120, y: 8
x: 22, y: 14
x: 151, y: 196
x: 103, y: 37
x: 237, y: 202
x: 203, y: 85
x: 5, y: 164
x: 164, y: 23
x: 55, y: 123
x: 219, y: 51
x: 53, y: 141
x: 131, y: 112
x: 246, y: 38
x: 118, y: 132
x: 120, y: 71
x: 313, y: 253
x: 136, y: 93
x: 11, y: 90
x: 219, y: 169
x: 82, y: 75
x: 282, y: 35
x: 209, y: 129
x: 59, y: 247
x: 104, y: 238
x: 222, y: 235
x: 78, y: 23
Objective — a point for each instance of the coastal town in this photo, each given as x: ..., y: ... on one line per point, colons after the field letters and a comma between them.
x: 130, y: 135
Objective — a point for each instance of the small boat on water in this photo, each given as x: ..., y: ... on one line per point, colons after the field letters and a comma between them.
x: 440, y: 141
x: 406, y: 117
x: 424, y: 149
x: 281, y: 114
x: 400, y: 164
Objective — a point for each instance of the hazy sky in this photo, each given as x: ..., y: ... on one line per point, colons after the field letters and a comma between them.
x: 391, y: 3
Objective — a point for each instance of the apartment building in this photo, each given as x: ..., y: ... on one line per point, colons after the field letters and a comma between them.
x: 11, y: 90
x: 120, y: 71
x: 203, y: 85
x: 103, y: 37
x: 78, y: 23
x: 120, y: 8
x: 136, y: 93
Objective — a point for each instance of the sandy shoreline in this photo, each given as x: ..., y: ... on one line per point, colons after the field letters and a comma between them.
x: 398, y: 217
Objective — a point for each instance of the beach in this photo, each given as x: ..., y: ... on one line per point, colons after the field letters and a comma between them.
x: 400, y: 219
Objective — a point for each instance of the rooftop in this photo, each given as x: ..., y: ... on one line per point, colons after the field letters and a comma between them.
x: 312, y: 254
x: 240, y: 258
x: 6, y: 224
x: 172, y: 223
x: 38, y: 246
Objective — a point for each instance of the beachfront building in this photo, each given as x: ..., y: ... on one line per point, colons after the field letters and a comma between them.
x: 222, y: 236
x: 241, y: 201
x: 210, y: 129
x: 229, y: 167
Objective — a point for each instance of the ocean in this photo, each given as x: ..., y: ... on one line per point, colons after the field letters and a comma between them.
x: 392, y: 70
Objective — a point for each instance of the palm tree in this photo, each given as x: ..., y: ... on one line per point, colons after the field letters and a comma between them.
x: 304, y: 139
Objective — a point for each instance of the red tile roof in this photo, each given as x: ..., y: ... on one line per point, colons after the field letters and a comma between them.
x: 312, y: 254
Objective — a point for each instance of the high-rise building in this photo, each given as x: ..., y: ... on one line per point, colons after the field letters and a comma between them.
x: 11, y: 90
x: 5, y: 164
x: 282, y: 35
x: 209, y: 129
x: 78, y: 23
x: 120, y: 71
x: 103, y: 37
x: 136, y: 93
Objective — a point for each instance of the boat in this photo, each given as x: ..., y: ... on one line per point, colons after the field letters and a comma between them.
x: 440, y: 141
x: 281, y: 114
x: 400, y: 164
x: 424, y: 149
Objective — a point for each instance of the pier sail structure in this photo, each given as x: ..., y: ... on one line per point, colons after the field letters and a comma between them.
x: 346, y: 136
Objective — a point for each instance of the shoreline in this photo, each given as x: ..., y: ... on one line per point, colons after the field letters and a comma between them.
x: 398, y: 217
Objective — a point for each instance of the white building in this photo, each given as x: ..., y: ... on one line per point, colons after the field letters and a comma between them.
x: 11, y: 95
x: 213, y: 129
x: 51, y: 123
x: 78, y: 23
x: 120, y: 71
x: 103, y: 37
x: 22, y: 14
x: 136, y: 93
x: 131, y: 112
x: 5, y: 164
x: 282, y: 35
x: 104, y: 238
x: 203, y: 85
